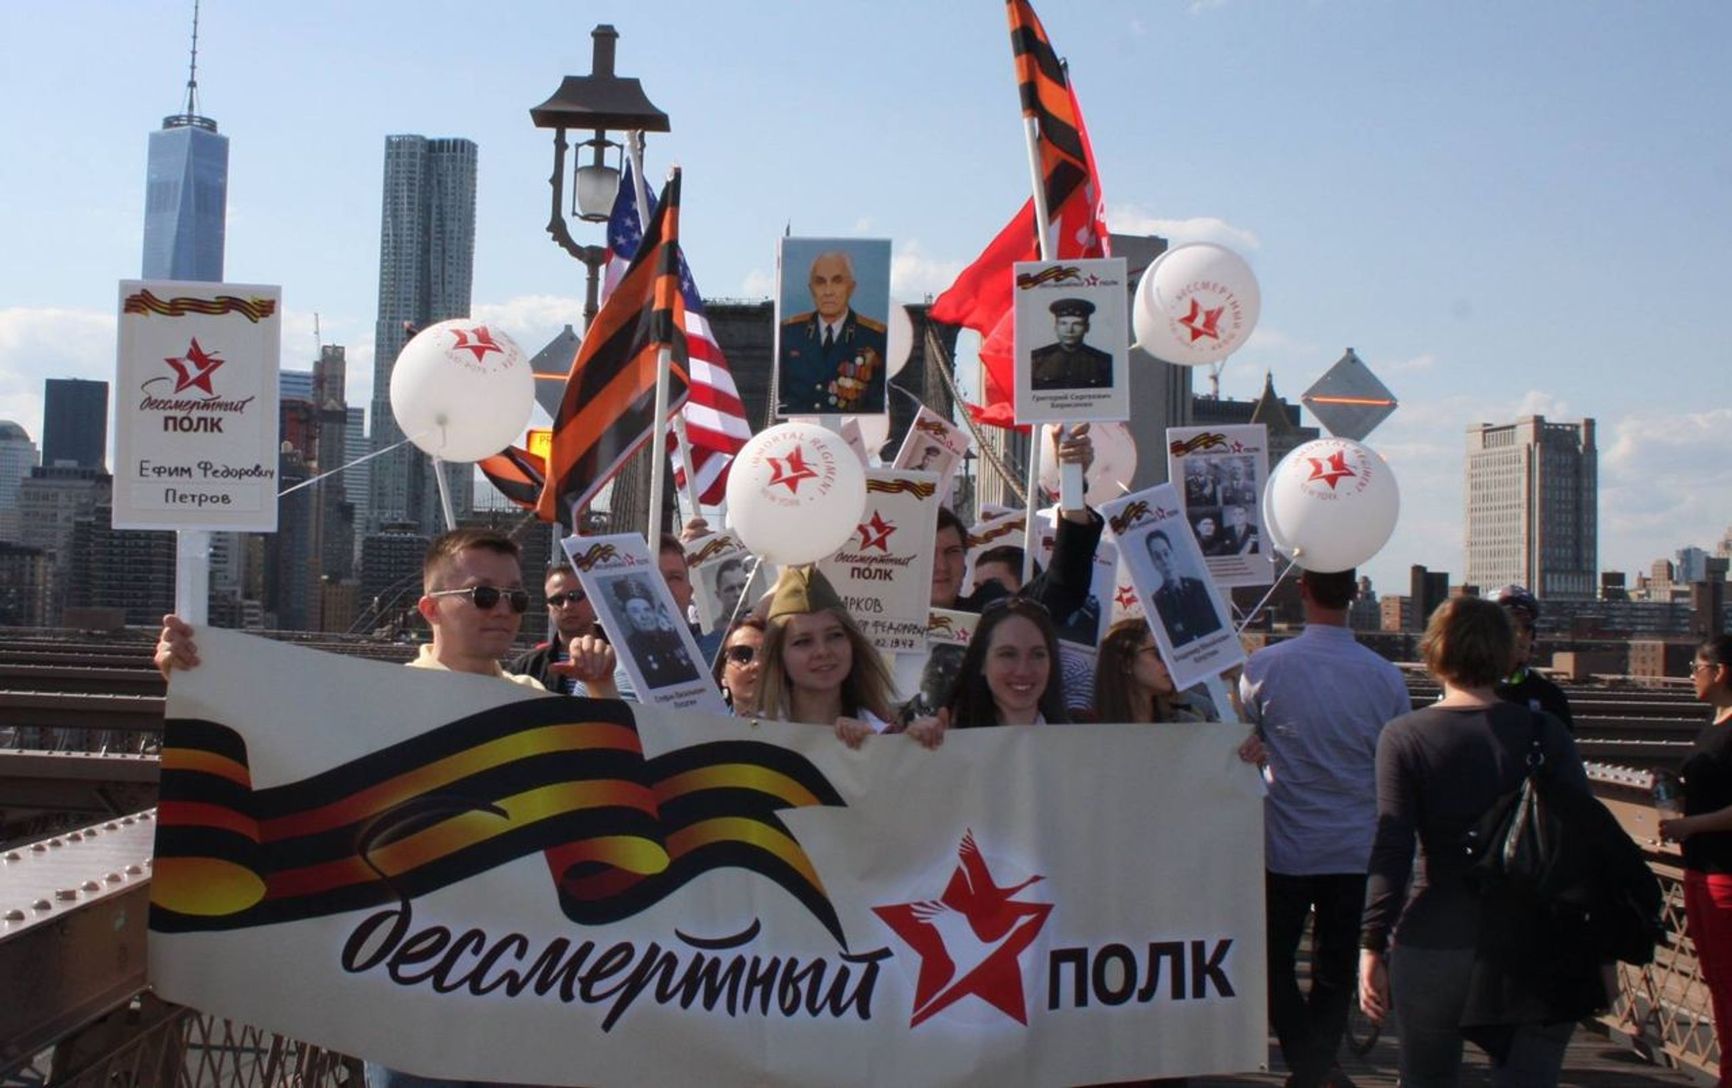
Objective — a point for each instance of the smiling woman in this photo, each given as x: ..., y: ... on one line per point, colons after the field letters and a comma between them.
x: 1009, y: 674
x: 818, y: 666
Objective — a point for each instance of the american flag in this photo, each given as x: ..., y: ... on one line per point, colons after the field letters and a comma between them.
x: 715, y: 418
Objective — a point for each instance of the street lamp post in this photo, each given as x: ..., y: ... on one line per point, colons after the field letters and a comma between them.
x: 598, y: 103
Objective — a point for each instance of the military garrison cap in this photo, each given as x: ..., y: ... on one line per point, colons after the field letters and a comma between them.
x: 1072, y: 307
x: 801, y: 591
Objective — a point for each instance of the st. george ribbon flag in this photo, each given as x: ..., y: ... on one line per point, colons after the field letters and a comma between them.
x: 980, y: 299
x: 715, y: 416
x: 608, y: 408
x: 464, y: 878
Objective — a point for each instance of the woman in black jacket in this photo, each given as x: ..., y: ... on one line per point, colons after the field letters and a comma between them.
x: 1439, y: 770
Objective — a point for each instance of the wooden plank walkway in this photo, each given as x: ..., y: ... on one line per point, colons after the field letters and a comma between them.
x: 1594, y: 1060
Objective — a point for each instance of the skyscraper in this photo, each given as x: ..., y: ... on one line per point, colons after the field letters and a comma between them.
x: 17, y: 458
x: 426, y: 264
x: 1533, y: 507
x: 75, y: 422
x: 186, y: 191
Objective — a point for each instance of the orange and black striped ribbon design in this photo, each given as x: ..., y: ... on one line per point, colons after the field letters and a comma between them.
x: 608, y: 409
x: 1045, y: 92
x: 253, y: 309
x: 916, y: 488
x: 563, y: 777
x: 517, y: 473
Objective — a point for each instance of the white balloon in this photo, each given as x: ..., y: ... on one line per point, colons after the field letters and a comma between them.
x: 1334, y: 503
x: 1195, y: 304
x: 795, y: 493
x: 462, y: 390
x: 1271, y: 529
x: 899, y: 344
x: 1109, y: 476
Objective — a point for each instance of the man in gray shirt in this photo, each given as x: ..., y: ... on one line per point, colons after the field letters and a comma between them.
x: 1319, y: 702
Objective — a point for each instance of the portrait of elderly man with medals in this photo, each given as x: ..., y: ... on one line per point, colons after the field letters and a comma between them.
x: 830, y: 358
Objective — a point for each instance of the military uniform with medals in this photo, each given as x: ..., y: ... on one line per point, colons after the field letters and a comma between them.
x: 844, y: 375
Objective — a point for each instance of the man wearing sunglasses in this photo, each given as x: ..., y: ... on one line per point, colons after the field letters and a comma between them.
x: 573, y: 617
x: 473, y: 600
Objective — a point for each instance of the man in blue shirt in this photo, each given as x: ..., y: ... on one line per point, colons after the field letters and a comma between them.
x: 1319, y: 702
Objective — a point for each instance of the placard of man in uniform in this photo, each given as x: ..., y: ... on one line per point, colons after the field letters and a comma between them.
x: 1183, y: 603
x: 831, y: 357
x: 650, y: 638
x: 1069, y: 363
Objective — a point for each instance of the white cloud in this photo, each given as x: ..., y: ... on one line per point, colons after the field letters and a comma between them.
x: 863, y: 225
x: 40, y: 343
x: 758, y: 284
x: 1197, y: 7
x: 1663, y: 479
x: 1536, y: 402
x: 914, y: 275
x: 1133, y: 219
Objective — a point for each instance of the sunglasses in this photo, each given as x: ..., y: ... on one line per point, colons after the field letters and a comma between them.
x: 742, y: 655
x: 487, y: 598
x: 560, y: 600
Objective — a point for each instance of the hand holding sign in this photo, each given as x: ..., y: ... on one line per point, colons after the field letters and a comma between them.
x: 462, y: 390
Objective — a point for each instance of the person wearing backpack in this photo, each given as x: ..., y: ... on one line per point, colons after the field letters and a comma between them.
x: 1705, y: 830
x: 1440, y: 770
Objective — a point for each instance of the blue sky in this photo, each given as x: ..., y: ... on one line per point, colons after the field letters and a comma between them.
x: 1504, y: 208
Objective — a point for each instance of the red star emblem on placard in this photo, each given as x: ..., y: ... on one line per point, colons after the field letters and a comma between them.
x: 1203, y: 322
x: 1125, y: 597
x: 194, y: 369
x: 480, y: 345
x: 875, y: 533
x: 1330, y: 469
x: 790, y: 470
x: 969, y: 940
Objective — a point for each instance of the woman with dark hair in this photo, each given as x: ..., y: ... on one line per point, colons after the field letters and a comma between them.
x: 739, y: 666
x: 1454, y: 966
x: 1705, y: 830
x: 1132, y: 683
x: 1010, y: 674
x: 820, y: 668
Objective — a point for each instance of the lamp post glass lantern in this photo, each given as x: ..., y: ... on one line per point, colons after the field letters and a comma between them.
x: 596, y: 103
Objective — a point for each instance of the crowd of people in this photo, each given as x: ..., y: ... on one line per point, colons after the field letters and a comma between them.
x: 1364, y: 790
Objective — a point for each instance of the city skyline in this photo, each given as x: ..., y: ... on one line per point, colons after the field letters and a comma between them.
x: 1499, y: 230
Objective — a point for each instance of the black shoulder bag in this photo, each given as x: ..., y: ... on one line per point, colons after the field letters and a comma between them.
x: 1561, y: 853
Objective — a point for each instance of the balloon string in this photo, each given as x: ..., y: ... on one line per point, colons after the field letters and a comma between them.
x: 751, y: 573
x: 367, y: 457
x: 1258, y: 607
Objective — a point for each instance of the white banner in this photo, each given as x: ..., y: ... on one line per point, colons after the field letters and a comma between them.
x: 884, y: 572
x: 195, y: 406
x: 461, y: 878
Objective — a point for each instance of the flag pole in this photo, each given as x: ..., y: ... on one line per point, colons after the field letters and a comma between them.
x: 664, y: 359
x: 1031, y: 129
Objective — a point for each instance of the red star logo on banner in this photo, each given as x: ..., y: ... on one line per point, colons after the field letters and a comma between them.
x: 875, y: 533
x: 480, y: 345
x: 1203, y: 322
x: 969, y: 940
x: 1125, y: 597
x: 790, y: 470
x: 1330, y: 469
x: 194, y: 369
